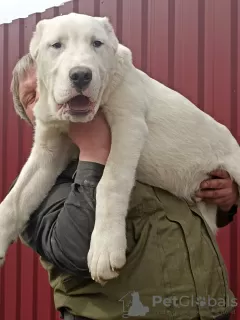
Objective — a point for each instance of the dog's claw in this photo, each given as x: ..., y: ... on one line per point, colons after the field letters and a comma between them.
x: 101, y: 281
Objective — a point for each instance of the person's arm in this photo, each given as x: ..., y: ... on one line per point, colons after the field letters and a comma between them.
x: 60, y: 230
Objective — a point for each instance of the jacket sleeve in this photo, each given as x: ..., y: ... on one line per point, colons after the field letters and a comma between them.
x: 224, y: 218
x: 60, y: 230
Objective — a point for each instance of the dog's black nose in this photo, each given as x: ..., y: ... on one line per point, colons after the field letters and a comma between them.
x: 80, y: 77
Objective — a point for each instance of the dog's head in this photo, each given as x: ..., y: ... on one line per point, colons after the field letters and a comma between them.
x: 75, y: 55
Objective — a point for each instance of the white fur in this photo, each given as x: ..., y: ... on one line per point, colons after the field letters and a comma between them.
x: 158, y: 136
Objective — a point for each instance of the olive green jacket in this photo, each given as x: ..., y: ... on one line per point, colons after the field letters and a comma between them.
x: 174, y: 269
x: 173, y: 266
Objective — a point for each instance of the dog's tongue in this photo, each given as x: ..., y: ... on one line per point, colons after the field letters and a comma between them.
x: 79, y: 104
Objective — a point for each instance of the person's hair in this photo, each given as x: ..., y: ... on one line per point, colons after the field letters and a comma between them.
x: 19, y: 71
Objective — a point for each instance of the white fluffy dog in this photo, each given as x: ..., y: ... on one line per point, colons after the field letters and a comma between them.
x: 158, y: 136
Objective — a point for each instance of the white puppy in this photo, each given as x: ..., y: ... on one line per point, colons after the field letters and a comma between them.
x: 158, y: 136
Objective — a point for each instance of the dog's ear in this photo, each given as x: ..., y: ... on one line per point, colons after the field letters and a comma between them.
x: 110, y: 31
x: 35, y: 41
x: 106, y: 23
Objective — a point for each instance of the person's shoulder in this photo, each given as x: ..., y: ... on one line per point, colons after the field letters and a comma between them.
x: 68, y: 174
x: 143, y: 197
x: 141, y: 189
x: 147, y: 198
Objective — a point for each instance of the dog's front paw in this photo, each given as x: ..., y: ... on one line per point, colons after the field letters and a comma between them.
x: 4, y: 244
x: 107, y: 254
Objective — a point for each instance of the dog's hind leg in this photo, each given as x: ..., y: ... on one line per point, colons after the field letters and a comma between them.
x: 231, y: 164
x: 209, y: 213
x: 49, y: 156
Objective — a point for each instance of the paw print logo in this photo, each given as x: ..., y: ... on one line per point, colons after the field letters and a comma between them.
x: 201, y: 301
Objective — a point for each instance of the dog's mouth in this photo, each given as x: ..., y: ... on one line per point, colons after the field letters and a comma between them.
x: 79, y: 105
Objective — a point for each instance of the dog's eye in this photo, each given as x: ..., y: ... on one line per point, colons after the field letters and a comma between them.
x: 97, y: 43
x: 57, y: 45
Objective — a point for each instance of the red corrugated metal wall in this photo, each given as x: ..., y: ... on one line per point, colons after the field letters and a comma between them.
x: 189, y: 45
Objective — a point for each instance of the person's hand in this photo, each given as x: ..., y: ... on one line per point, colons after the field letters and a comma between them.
x: 219, y: 190
x: 92, y: 138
